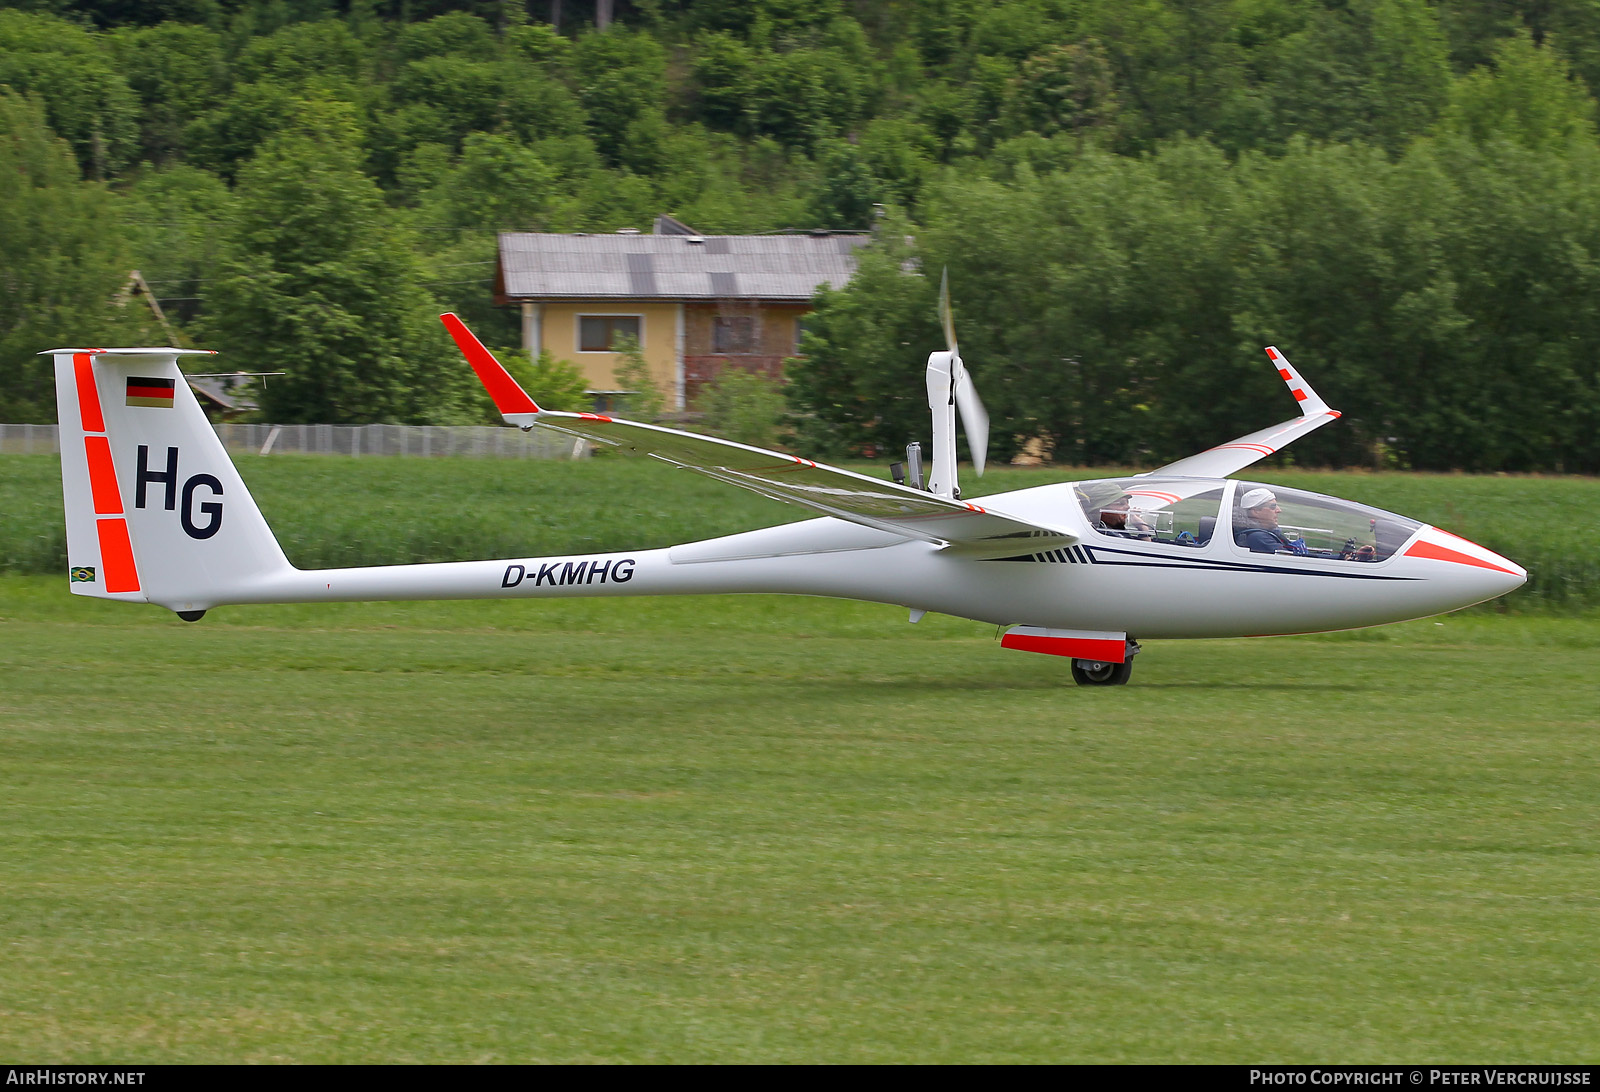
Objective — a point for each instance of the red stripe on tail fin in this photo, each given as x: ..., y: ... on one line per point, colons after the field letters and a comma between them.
x: 88, y: 395
x: 102, y: 476
x: 116, y: 556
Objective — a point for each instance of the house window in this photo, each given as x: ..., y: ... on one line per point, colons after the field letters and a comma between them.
x: 733, y: 335
x: 799, y: 332
x: 599, y: 333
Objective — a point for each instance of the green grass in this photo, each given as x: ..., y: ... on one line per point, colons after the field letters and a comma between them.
x: 752, y: 828
x: 330, y: 511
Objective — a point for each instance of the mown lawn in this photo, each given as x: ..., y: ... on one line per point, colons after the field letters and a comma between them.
x: 754, y: 828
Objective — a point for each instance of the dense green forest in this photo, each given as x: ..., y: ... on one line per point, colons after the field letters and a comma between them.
x: 1132, y: 197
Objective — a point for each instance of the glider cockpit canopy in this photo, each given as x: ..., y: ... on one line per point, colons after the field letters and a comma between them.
x: 1187, y: 512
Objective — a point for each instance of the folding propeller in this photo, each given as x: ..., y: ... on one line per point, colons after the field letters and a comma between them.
x: 973, y: 416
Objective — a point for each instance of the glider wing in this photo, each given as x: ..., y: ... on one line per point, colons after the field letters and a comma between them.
x: 967, y: 528
x: 1235, y: 455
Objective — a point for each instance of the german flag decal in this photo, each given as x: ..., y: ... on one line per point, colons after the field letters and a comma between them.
x: 82, y: 574
x: 156, y: 393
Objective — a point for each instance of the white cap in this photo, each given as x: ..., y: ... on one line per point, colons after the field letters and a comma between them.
x: 1256, y: 498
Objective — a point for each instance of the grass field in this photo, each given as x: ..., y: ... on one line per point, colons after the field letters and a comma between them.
x: 753, y: 828
x: 763, y: 829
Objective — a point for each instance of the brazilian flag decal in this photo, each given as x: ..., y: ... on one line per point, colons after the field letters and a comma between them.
x: 82, y: 573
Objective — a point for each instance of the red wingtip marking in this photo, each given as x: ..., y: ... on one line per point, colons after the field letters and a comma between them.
x: 88, y: 395
x: 1299, y: 396
x: 1283, y: 374
x: 508, y: 396
x: 116, y: 555
x: 595, y: 417
x: 1434, y: 552
x: 1272, y: 353
x: 1334, y: 413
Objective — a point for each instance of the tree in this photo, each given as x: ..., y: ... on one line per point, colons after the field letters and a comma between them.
x: 552, y: 382
x: 273, y: 74
x: 176, y: 218
x: 744, y: 407
x: 622, y: 84
x: 865, y: 348
x: 498, y: 185
x: 1529, y: 97
x: 1063, y: 89
x: 66, y: 256
x: 178, y: 73
x: 1174, y: 63
x: 632, y: 374
x: 846, y: 190
x: 1375, y: 71
x: 85, y: 97
x: 320, y: 283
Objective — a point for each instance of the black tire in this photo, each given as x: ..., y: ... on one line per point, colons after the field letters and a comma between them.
x: 1100, y: 673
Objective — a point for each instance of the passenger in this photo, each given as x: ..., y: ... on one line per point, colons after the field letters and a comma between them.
x: 1115, y: 519
x: 1260, y: 534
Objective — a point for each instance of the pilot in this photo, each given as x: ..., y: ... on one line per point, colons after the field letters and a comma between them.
x: 1260, y: 534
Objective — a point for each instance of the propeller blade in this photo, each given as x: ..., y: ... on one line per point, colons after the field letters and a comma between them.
x: 974, y: 418
x: 944, y: 312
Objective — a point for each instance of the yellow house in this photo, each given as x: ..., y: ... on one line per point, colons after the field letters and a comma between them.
x: 695, y: 303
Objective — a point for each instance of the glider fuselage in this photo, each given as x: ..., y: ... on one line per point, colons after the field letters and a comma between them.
x: 1109, y: 581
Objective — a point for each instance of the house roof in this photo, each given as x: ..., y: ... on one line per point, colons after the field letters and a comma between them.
x: 214, y: 389
x: 674, y: 267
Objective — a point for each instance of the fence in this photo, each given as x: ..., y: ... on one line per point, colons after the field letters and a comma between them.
x: 484, y: 441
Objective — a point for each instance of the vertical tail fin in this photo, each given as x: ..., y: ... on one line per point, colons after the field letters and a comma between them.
x: 156, y: 511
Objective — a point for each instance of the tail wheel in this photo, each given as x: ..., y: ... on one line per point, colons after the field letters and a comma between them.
x: 1100, y: 673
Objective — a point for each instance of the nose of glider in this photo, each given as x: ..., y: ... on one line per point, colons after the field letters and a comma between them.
x: 1479, y: 573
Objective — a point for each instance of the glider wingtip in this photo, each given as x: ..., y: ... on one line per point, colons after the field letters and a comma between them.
x: 508, y: 395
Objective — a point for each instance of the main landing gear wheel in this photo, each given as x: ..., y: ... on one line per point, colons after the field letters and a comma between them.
x: 1100, y: 673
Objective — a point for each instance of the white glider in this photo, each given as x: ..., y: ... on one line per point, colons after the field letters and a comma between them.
x: 157, y: 513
